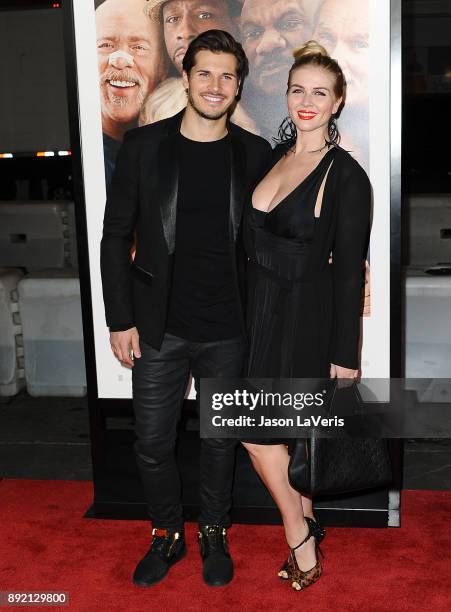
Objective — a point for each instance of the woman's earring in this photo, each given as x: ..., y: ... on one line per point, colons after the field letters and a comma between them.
x: 333, y: 130
x: 287, y: 130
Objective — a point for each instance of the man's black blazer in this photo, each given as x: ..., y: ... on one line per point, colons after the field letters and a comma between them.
x: 141, y: 208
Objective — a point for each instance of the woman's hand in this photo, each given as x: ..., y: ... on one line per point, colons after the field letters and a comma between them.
x: 339, y: 372
x: 366, y: 307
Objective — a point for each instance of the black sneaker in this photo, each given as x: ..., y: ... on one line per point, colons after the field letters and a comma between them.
x: 168, y: 547
x: 217, y: 563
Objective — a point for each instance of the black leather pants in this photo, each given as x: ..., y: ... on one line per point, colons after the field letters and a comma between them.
x: 159, y: 384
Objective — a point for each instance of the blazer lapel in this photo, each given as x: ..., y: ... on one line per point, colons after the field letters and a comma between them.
x: 168, y: 178
x: 237, y: 187
x: 167, y: 184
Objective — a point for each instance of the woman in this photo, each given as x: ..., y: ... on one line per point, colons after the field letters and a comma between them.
x: 304, y: 307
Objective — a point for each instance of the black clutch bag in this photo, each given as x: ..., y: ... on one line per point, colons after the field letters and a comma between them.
x: 328, y: 466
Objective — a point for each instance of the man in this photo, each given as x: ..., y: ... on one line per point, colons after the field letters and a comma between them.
x: 131, y: 63
x: 270, y: 31
x: 342, y: 28
x: 180, y: 186
x: 182, y: 21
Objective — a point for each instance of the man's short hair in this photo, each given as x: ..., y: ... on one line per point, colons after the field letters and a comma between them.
x: 218, y: 41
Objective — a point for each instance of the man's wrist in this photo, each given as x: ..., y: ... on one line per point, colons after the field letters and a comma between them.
x: 119, y: 328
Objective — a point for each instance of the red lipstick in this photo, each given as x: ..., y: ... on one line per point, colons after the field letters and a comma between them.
x: 306, y: 115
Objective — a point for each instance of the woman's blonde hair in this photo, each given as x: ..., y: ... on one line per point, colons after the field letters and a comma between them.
x: 312, y: 53
x: 309, y: 48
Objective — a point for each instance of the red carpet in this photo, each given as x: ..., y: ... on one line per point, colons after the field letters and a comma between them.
x: 46, y: 544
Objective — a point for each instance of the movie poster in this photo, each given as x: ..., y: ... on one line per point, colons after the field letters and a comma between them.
x: 129, y: 62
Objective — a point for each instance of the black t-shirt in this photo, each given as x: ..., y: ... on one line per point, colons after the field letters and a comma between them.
x: 203, y: 305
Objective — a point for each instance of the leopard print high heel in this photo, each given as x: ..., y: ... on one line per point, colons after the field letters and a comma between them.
x: 301, y: 579
x: 318, y: 533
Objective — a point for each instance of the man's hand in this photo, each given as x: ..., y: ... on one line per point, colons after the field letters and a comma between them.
x: 125, y: 346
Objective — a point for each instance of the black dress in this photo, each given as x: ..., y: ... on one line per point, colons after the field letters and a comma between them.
x: 303, y: 312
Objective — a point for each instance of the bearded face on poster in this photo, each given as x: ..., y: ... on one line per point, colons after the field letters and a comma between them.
x: 270, y: 32
x: 131, y: 62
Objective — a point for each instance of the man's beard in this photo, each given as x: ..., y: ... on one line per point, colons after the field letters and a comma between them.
x: 272, y: 84
x: 204, y: 115
x: 123, y: 102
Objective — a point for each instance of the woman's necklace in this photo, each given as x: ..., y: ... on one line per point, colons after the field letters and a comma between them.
x: 326, y: 144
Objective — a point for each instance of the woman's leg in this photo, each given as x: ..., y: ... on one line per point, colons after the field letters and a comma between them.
x: 271, y: 464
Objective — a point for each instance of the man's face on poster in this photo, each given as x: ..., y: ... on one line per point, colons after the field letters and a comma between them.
x: 130, y: 60
x: 183, y: 20
x: 270, y: 31
x: 342, y: 28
